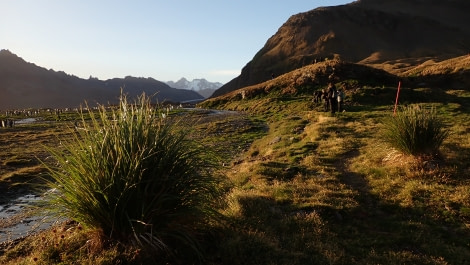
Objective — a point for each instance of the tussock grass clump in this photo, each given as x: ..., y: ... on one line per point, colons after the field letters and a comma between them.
x: 137, y: 178
x: 415, y: 130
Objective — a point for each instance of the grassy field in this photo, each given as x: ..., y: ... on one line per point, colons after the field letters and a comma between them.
x: 324, y: 189
x: 307, y: 187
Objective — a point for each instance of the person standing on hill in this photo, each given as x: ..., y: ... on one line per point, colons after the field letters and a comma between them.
x: 332, y: 97
x: 326, y: 103
x: 340, y: 100
x: 317, y: 96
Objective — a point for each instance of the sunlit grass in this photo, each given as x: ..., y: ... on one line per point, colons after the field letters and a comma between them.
x: 415, y: 130
x: 138, y: 179
x: 312, y: 188
x: 68, y: 243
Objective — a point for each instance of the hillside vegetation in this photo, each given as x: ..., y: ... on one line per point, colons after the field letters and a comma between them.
x: 327, y: 189
x: 308, y: 187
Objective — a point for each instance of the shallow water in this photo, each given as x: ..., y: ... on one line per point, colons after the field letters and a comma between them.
x: 25, y: 121
x: 15, y: 222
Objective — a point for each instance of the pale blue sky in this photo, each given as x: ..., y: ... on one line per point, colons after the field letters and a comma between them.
x: 162, y: 39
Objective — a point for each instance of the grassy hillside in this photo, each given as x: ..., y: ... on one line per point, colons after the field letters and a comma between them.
x: 323, y: 189
x: 309, y: 187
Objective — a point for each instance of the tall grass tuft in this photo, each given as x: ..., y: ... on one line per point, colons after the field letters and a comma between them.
x: 138, y: 178
x: 415, y: 130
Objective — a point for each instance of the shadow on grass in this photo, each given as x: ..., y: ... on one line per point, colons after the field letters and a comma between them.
x: 461, y: 166
x: 373, y: 231
x: 267, y: 232
x: 379, y: 231
x: 279, y: 171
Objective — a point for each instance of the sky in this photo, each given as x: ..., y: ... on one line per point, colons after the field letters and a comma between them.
x: 161, y: 39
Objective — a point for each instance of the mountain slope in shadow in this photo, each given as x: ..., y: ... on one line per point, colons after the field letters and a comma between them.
x: 26, y: 85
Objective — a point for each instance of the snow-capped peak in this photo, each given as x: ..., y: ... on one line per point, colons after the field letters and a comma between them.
x: 201, y: 85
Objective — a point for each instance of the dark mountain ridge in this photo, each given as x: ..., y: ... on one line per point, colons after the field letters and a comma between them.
x: 388, y: 34
x: 26, y: 85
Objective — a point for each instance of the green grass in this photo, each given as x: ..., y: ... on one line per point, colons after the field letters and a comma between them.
x: 138, y: 179
x: 415, y: 130
x: 311, y: 188
x: 356, y: 200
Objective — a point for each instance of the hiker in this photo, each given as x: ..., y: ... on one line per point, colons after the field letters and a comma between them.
x: 340, y: 100
x: 326, y: 104
x: 332, y: 97
x: 317, y: 96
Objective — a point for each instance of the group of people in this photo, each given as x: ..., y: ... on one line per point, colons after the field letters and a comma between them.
x: 332, y: 98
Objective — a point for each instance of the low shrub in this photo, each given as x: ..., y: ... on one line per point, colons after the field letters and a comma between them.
x: 138, y: 178
x: 415, y: 130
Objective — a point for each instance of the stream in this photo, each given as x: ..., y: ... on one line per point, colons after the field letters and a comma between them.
x: 16, y: 220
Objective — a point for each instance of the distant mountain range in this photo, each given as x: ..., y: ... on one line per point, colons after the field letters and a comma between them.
x: 393, y: 35
x: 202, y: 86
x: 26, y: 85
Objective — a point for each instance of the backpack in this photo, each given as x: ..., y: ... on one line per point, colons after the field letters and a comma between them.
x: 340, y: 96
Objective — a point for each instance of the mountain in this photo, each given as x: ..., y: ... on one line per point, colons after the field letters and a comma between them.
x: 134, y: 86
x: 304, y: 80
x: 26, y: 85
x: 388, y: 34
x: 202, y: 86
x: 353, y: 78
